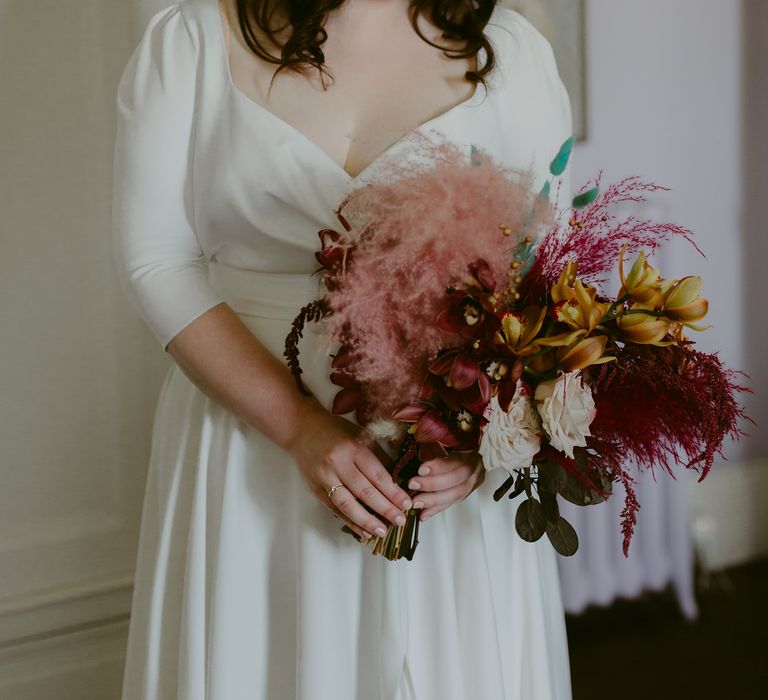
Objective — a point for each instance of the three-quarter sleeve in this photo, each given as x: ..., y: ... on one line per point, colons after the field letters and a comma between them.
x: 159, y: 260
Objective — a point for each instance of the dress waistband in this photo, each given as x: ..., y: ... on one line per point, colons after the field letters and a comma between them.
x: 265, y: 294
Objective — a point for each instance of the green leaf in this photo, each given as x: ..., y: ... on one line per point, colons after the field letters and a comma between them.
x: 549, y: 506
x: 581, y: 200
x: 500, y: 492
x: 557, y: 166
x: 546, y: 189
x: 551, y: 476
x: 519, y: 486
x: 575, y: 491
x: 529, y: 520
x: 563, y: 537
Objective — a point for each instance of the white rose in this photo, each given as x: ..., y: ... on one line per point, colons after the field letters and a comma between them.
x: 567, y: 409
x: 511, y: 439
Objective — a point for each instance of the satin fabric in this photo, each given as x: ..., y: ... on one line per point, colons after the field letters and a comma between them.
x: 245, y: 585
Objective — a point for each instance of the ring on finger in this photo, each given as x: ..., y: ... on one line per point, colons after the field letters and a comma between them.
x: 332, y: 489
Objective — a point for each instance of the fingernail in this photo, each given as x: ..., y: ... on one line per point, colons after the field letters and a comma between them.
x: 380, y: 531
x: 400, y: 520
x: 426, y: 517
x: 407, y: 505
x: 418, y: 504
x: 366, y: 535
x: 414, y: 485
x: 423, y: 470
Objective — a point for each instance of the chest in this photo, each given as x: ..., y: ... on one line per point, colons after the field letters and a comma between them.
x: 384, y: 81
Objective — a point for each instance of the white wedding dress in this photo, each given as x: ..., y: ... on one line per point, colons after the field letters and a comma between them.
x: 246, y: 588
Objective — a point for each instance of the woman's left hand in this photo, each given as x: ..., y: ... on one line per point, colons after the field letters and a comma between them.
x: 444, y: 481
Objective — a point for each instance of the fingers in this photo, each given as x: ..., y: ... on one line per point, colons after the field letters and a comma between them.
x: 348, y: 505
x: 379, y: 476
x: 459, y: 473
x: 363, y: 489
x: 364, y: 534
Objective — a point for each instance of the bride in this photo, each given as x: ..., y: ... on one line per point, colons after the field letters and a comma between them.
x: 241, y: 124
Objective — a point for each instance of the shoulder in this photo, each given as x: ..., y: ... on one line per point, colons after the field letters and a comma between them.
x: 165, y: 59
x: 527, y: 63
x: 523, y: 41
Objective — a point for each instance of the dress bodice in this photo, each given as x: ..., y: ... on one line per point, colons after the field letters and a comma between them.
x: 235, y: 184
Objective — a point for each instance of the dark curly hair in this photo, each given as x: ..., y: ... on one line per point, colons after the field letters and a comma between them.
x: 458, y: 19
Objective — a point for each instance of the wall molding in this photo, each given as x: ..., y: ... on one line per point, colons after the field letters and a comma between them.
x: 52, y: 612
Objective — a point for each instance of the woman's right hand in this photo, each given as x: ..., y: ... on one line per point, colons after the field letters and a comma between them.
x: 328, y: 451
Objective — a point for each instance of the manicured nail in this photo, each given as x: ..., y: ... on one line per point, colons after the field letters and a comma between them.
x: 366, y: 535
x: 423, y: 470
x: 380, y: 531
x: 407, y: 505
x: 414, y: 485
x: 426, y: 517
x: 400, y: 520
x: 418, y: 504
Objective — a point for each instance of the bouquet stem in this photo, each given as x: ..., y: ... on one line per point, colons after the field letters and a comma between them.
x: 401, y: 540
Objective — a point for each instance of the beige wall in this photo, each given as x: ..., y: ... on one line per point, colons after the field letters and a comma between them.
x: 78, y: 372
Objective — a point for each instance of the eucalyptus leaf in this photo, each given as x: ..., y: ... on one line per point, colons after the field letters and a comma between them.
x: 529, y: 520
x: 563, y: 537
x: 575, y: 491
x: 557, y: 166
x: 549, y: 506
x: 551, y: 476
x: 519, y: 486
x: 500, y: 492
x: 581, y: 200
x: 545, y: 189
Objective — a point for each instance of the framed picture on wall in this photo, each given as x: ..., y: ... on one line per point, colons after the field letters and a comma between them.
x: 562, y: 22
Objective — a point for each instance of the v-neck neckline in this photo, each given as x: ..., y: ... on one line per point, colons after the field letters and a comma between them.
x: 303, y: 138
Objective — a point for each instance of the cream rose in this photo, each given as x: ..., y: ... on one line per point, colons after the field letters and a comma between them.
x: 510, y: 439
x: 567, y: 409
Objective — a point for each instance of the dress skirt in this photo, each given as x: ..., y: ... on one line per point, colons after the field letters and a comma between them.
x: 246, y: 588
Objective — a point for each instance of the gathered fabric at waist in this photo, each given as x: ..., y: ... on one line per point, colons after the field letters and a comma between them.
x: 274, y: 295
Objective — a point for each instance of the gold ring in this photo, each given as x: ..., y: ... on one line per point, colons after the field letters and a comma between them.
x: 332, y: 489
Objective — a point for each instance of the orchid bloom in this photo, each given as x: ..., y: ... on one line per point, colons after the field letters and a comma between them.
x: 518, y: 329
x: 644, y: 329
x: 575, y: 303
x: 642, y: 283
x: 682, y: 302
x: 584, y: 352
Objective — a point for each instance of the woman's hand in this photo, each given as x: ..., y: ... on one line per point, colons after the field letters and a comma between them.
x: 329, y: 452
x: 444, y: 481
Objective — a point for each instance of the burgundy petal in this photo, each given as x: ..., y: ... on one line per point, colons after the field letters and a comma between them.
x: 342, y: 358
x: 410, y: 413
x: 345, y: 401
x: 431, y: 450
x: 328, y: 237
x: 485, y: 387
x: 506, y: 393
x: 451, y: 319
x: 464, y: 372
x: 442, y: 364
x: 343, y: 378
x: 430, y: 428
x: 450, y: 440
x: 484, y: 274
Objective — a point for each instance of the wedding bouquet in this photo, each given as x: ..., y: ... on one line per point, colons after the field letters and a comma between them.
x: 470, y: 313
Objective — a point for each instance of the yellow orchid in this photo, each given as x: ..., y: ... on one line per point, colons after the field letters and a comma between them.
x: 575, y: 303
x: 562, y: 290
x: 644, y: 329
x: 682, y: 302
x: 584, y: 352
x: 643, y: 282
x: 519, y: 329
